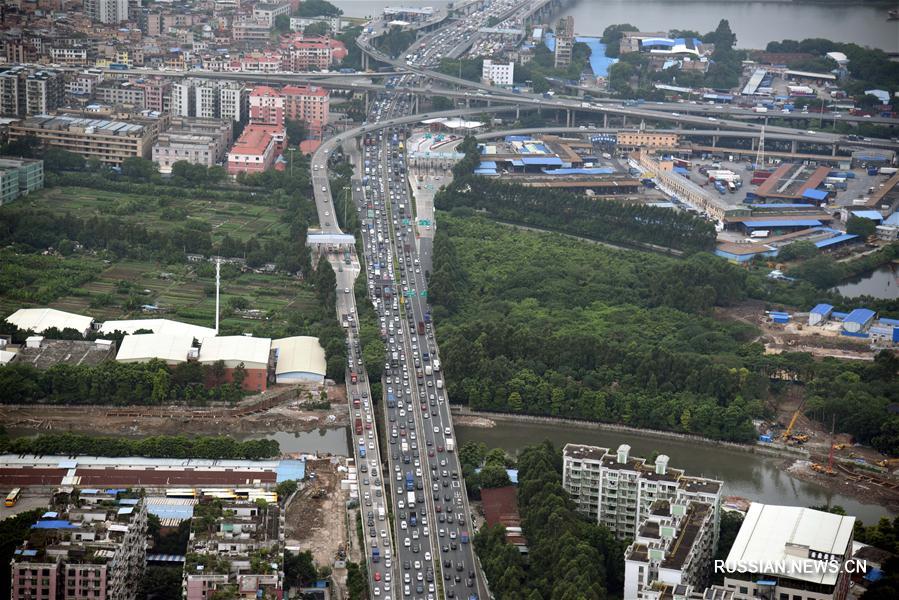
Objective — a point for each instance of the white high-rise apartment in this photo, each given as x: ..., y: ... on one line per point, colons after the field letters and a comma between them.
x: 106, y: 11
x: 617, y: 490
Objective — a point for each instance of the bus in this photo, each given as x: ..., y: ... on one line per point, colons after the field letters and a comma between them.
x: 13, y: 497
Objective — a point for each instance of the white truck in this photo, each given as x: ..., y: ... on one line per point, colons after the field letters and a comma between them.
x: 380, y: 512
x: 410, y: 499
x: 760, y: 109
x: 436, y: 365
x: 450, y: 445
x: 428, y: 370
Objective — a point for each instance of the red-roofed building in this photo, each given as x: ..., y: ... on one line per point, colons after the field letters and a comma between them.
x: 256, y: 149
x: 501, y: 508
x: 300, y: 53
x: 266, y: 106
x: 310, y: 104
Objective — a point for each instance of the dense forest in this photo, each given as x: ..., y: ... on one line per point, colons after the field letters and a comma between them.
x: 573, y: 213
x: 535, y: 323
x: 161, y: 446
x: 569, y: 559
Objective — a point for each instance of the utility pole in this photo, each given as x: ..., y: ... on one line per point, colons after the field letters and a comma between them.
x: 218, y: 285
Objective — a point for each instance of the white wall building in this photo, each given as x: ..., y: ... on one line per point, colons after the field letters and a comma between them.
x: 498, y: 74
x: 106, y: 11
x: 617, y: 489
x: 786, y: 550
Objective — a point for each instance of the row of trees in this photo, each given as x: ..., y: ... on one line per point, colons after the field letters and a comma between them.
x: 121, y: 384
x: 569, y: 559
x: 163, y: 446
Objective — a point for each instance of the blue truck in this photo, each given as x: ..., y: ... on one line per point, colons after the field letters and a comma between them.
x: 391, y: 400
x: 410, y: 482
x: 720, y: 187
x: 375, y: 554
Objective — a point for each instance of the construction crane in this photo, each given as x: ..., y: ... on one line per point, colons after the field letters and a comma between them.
x: 788, y: 432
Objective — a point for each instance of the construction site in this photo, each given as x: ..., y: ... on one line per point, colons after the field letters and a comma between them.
x: 831, y: 459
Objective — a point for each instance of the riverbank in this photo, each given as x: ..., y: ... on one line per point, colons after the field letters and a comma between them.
x: 768, y: 473
x: 471, y: 418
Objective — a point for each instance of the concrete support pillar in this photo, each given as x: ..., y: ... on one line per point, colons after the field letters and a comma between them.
x: 833, y: 149
x: 624, y: 121
x: 489, y: 103
x: 753, y: 144
x: 416, y: 102
x: 605, y: 120
x: 568, y: 117
x: 517, y: 112
x: 793, y: 145
x: 364, y: 61
x: 714, y: 141
x: 468, y: 103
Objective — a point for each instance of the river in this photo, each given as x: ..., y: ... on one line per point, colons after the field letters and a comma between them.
x: 756, y: 22
x: 882, y: 283
x: 747, y: 475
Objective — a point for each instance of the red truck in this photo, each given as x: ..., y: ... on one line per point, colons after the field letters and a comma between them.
x: 421, y: 328
x: 354, y: 378
x: 358, y: 426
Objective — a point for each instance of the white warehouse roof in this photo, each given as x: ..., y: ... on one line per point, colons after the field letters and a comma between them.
x: 166, y: 326
x: 299, y: 356
x: 235, y: 349
x: 146, y: 346
x: 41, y: 319
x: 771, y: 534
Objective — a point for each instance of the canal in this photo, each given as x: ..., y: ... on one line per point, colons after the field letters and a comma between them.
x: 747, y: 475
x: 882, y: 283
x: 318, y: 441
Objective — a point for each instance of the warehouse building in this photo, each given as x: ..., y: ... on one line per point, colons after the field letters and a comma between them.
x: 254, y: 355
x: 161, y: 326
x: 40, y: 320
x: 299, y: 359
x: 144, y: 347
x: 803, y: 541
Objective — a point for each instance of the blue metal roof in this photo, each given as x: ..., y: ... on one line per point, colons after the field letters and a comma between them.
x: 181, y: 512
x: 518, y: 138
x: 822, y: 309
x: 517, y: 163
x: 543, y: 161
x: 588, y: 171
x: 599, y: 62
x: 835, y: 240
x: 893, y: 322
x: 839, y: 315
x: 775, y: 205
x: 782, y: 223
x: 54, y: 524
x: 659, y: 42
x: 893, y: 219
x: 291, y: 469
x: 860, y: 315
x: 868, y: 214
x: 487, y: 164
x: 485, y: 171
x: 815, y: 194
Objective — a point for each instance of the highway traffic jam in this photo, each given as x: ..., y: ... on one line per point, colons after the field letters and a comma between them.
x: 429, y: 506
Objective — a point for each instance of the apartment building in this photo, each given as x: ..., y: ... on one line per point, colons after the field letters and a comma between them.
x: 12, y: 90
x: 70, y: 56
x: 93, y: 548
x: 210, y: 99
x: 109, y: 12
x: 301, y: 23
x: 121, y: 93
x: 194, y: 140
x: 301, y: 53
x: 617, y: 490
x: 243, y: 548
x: 256, y: 149
x: 250, y: 31
x: 631, y: 140
x: 266, y: 13
x: 674, y: 545
x: 564, y: 42
x: 111, y: 142
x: 266, y: 106
x: 19, y: 176
x: 310, y: 104
x: 790, y: 553
x: 497, y: 73
x: 45, y: 91
x: 156, y: 94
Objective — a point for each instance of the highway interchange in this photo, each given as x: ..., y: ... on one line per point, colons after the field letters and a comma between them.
x: 420, y: 548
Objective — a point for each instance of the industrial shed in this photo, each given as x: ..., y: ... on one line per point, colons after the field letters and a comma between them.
x: 235, y: 350
x: 159, y: 326
x: 39, y: 320
x: 858, y: 320
x: 143, y: 347
x: 299, y: 359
